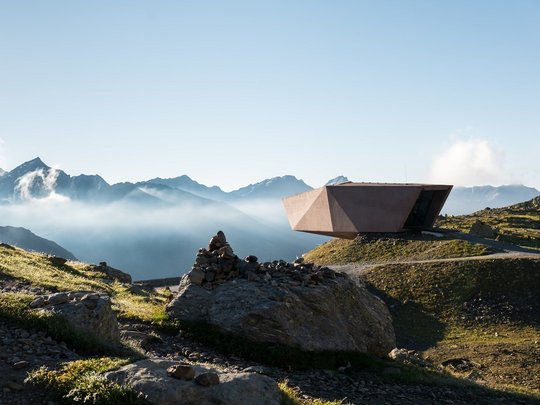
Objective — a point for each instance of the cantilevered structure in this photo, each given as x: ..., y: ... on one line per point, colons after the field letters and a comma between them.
x: 347, y: 209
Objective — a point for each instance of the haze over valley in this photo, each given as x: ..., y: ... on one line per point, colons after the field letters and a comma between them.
x: 151, y: 228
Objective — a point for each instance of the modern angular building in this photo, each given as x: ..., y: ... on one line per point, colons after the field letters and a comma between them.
x: 347, y: 209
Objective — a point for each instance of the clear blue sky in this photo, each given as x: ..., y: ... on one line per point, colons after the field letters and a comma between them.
x: 232, y: 92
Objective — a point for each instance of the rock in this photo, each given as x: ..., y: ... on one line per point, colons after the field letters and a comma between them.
x: 255, y: 369
x: 483, y: 230
x: 226, y: 252
x: 408, y: 357
x: 21, y: 364
x: 56, y: 260
x: 460, y: 364
x: 58, y: 298
x: 91, y: 313
x: 209, y: 276
x: 141, y: 338
x: 251, y: 259
x: 138, y: 289
x: 207, y: 379
x: 182, y: 372
x: 337, y: 314
x: 13, y: 386
x: 112, y: 273
x: 38, y: 302
x: 90, y: 301
x: 196, y: 276
x: 221, y: 237
x: 151, y: 379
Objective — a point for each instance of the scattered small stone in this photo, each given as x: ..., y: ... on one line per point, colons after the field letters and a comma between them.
x: 13, y: 386
x: 255, y: 369
x: 21, y: 364
x: 58, y: 298
x: 38, y: 302
x: 207, y: 379
x: 57, y: 261
x: 182, y: 372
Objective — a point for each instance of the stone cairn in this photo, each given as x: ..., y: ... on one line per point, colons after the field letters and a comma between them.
x: 218, y: 263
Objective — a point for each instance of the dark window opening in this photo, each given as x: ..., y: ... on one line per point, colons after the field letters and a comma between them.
x: 417, y: 217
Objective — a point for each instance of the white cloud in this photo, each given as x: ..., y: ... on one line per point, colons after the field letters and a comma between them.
x: 471, y: 162
x: 46, y: 181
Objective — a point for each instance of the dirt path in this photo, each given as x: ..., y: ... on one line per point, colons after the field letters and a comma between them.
x: 509, y: 252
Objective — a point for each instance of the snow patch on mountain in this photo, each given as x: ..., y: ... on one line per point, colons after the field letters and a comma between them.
x: 337, y: 180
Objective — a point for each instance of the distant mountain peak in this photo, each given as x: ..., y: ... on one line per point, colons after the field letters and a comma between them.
x: 31, y: 165
x: 2, y: 172
x: 337, y: 180
x: 275, y: 187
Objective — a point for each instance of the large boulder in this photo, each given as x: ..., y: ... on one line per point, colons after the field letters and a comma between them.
x: 334, y: 314
x: 150, y: 377
x: 87, y: 311
x: 483, y: 230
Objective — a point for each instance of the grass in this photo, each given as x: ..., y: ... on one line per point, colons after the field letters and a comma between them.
x: 518, y: 224
x: 82, y: 381
x: 404, y: 248
x: 38, y: 271
x: 436, y: 294
x: 290, y: 396
x: 486, y: 311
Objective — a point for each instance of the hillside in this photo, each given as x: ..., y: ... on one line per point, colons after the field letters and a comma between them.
x: 477, y: 318
x: 518, y: 224
x: 388, y: 248
x: 485, y: 312
x: 27, y: 240
x: 60, y: 364
x: 465, y: 200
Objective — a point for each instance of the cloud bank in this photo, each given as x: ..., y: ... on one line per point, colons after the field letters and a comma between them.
x: 470, y: 162
x: 41, y: 183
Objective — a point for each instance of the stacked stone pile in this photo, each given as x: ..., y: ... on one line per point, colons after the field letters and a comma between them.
x: 218, y: 263
x: 293, y: 304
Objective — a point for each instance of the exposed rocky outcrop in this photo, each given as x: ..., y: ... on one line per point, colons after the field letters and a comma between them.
x: 479, y: 228
x: 112, y: 273
x: 295, y: 304
x: 165, y: 382
x: 87, y: 311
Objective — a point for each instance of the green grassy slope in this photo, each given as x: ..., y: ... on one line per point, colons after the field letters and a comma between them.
x: 518, y: 224
x: 484, y: 311
x: 406, y: 248
x: 36, y: 270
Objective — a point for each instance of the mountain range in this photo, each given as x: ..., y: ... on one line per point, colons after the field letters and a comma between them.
x: 151, y: 228
x: 34, y: 179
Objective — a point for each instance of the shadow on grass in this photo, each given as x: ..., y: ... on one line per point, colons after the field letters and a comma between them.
x: 414, y: 327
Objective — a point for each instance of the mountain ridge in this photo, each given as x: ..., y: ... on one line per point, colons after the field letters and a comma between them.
x: 94, y: 188
x: 27, y: 240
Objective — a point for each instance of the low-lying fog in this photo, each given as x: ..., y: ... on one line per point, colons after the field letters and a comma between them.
x: 158, y: 241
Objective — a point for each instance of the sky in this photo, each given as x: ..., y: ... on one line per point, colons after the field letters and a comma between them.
x: 233, y: 92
